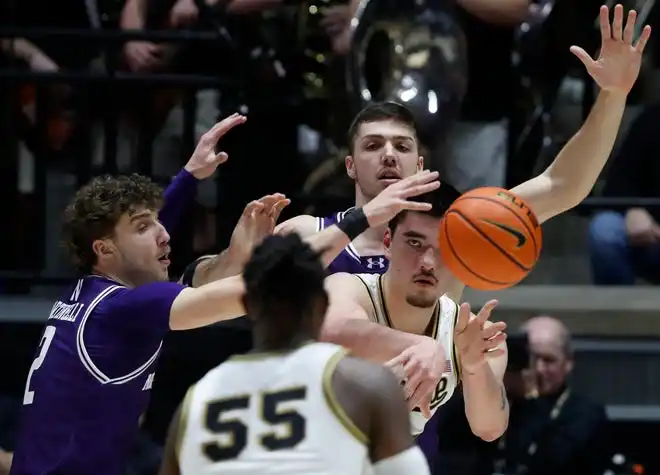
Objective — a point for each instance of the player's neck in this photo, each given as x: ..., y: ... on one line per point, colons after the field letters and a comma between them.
x: 112, y: 276
x: 403, y: 316
x: 271, y: 342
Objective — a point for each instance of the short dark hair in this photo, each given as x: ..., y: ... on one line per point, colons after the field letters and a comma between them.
x: 283, y: 279
x: 378, y: 112
x: 96, y: 209
x: 441, y: 199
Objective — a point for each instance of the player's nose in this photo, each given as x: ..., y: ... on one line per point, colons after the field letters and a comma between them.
x: 163, y: 236
x: 428, y: 260
x: 389, y: 158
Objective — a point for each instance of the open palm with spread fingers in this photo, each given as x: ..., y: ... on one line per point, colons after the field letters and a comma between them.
x: 205, y: 159
x: 395, y: 198
x: 257, y: 222
x: 617, y: 66
x: 476, y: 339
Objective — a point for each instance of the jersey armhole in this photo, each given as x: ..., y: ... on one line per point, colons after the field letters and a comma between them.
x: 454, y: 355
x: 332, y: 401
x: 183, y: 422
x: 374, y: 314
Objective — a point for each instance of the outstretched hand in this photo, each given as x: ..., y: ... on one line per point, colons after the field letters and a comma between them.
x: 257, y: 222
x: 205, y: 160
x: 477, y: 340
x: 618, y: 63
x: 395, y: 198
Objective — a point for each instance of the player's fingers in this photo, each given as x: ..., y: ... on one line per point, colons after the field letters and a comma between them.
x: 278, y: 207
x: 224, y: 126
x: 270, y: 200
x: 494, y: 341
x: 414, y: 206
x: 420, y: 393
x: 643, y: 39
x: 604, y: 18
x: 617, y: 23
x: 220, y: 158
x: 630, y: 27
x: 494, y: 353
x: 412, y: 382
x: 463, y: 317
x: 486, y: 310
x: 397, y: 361
x: 494, y: 329
x: 251, y: 207
x: 583, y: 56
x: 420, y: 189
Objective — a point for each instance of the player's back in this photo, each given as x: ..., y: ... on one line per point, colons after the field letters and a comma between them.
x: 271, y: 414
x: 90, y: 380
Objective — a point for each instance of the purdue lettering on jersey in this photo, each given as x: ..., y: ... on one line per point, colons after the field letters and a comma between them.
x: 257, y: 411
x: 441, y: 328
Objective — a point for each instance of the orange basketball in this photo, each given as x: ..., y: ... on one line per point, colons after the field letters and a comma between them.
x: 490, y: 239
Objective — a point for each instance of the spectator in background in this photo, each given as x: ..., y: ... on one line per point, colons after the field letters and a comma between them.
x: 558, y: 432
x: 551, y: 429
x: 626, y: 246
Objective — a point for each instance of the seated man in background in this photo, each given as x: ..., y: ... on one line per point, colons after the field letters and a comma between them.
x: 551, y: 429
x: 626, y: 246
x: 559, y: 431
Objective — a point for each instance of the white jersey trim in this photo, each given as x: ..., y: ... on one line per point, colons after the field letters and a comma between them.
x: 86, y: 359
x: 350, y: 249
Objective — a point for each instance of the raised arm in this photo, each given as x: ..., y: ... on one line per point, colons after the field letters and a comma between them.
x: 571, y: 176
x: 201, y: 165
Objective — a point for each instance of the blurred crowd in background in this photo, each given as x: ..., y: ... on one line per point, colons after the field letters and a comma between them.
x: 95, y: 86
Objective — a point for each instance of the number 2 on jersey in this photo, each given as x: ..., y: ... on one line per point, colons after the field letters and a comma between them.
x: 235, y: 432
x: 44, y: 344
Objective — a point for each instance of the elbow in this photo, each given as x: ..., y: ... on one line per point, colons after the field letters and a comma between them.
x: 491, y: 434
x: 331, y: 332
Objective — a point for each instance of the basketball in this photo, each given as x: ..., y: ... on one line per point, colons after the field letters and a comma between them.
x: 490, y: 239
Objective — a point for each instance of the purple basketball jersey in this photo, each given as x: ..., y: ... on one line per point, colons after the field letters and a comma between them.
x: 91, y: 378
x: 349, y: 260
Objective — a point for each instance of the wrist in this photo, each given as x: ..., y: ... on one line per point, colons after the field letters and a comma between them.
x: 354, y: 223
x: 187, y: 173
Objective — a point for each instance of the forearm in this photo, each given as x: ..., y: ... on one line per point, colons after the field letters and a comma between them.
x: 497, y: 12
x: 576, y: 168
x: 133, y: 15
x: 367, y: 339
x: 226, y: 264
x: 175, y: 199
x: 486, y: 405
x: 330, y: 242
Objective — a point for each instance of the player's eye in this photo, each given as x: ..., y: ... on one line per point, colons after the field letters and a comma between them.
x: 415, y: 243
x: 403, y: 148
x: 142, y: 227
x: 371, y: 146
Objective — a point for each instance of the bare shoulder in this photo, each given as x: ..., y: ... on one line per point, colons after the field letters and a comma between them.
x: 343, y: 287
x: 365, y: 392
x: 305, y: 225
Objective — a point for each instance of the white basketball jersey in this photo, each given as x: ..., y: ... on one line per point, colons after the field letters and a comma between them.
x: 441, y: 328
x: 270, y: 414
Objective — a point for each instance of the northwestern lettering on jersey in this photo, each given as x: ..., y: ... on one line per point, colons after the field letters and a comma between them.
x: 349, y: 260
x: 90, y: 379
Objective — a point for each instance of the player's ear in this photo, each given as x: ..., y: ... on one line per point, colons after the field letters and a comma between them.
x: 350, y: 167
x: 420, y: 163
x: 101, y: 248
x: 387, y: 242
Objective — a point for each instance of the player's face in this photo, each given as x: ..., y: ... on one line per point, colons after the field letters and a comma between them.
x: 415, y: 263
x: 550, y: 364
x: 383, y: 153
x: 139, y: 250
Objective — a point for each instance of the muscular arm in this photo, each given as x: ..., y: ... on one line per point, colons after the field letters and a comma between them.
x: 347, y: 323
x: 571, y: 176
x: 486, y: 405
x: 210, y: 303
x: 374, y: 402
x: 497, y: 12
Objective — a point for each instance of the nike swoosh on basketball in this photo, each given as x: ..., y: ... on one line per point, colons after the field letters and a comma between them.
x: 513, y: 231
